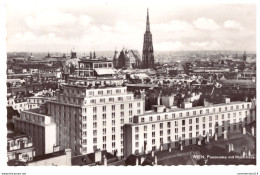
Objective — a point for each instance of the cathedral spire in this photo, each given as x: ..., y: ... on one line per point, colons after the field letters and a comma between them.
x: 147, y: 22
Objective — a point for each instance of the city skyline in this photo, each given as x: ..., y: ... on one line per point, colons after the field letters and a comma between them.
x: 178, y: 27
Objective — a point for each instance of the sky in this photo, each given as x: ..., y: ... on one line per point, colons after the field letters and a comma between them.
x: 108, y: 25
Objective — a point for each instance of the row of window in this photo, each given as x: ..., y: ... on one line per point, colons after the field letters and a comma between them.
x: 166, y: 116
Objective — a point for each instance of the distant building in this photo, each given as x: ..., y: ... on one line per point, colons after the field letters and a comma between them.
x: 90, y: 68
x: 127, y: 59
x: 148, y: 55
x: 19, y: 147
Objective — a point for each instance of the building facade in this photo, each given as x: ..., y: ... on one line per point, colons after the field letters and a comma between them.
x: 93, y: 118
x: 40, y: 127
x: 19, y: 147
x: 166, y: 128
x: 127, y: 59
x: 148, y: 55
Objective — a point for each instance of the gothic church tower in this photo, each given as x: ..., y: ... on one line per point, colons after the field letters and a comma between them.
x: 148, y: 57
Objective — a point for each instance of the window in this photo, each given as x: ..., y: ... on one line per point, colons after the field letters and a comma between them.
x: 161, y: 125
x: 113, y: 144
x: 190, y: 121
x: 153, y: 127
x: 190, y: 128
x: 94, y: 132
x: 145, y: 128
x: 113, y: 137
x: 207, y: 111
x: 161, y: 140
x: 187, y: 113
x: 113, y: 115
x: 84, y: 141
x: 113, y: 107
x: 138, y: 104
x: 183, y: 136
x: 176, y: 130
x: 168, y: 131
x: 153, y: 134
x: 104, y: 130
x: 204, y: 126
x: 190, y: 135
x: 210, y: 125
x: 100, y: 92
x: 153, y: 141
x: 104, y: 123
x: 122, y: 114
x: 120, y: 98
x: 161, y: 133
x: 216, y: 117
x: 203, y: 119
x: 138, y: 111
x: 176, y: 123
x: 104, y: 138
x: 113, y: 122
x: 118, y: 91
x: 104, y: 116
x: 94, y: 109
x: 183, y: 129
x: 111, y: 99
x: 201, y: 112
x: 136, y: 129
x: 94, y: 140
x: 197, y: 120
x: 122, y: 106
x: 94, y: 117
x: 142, y: 120
x: 145, y: 135
x: 92, y: 101
x: 130, y: 105
x: 102, y: 100
x: 113, y: 129
x: 210, y: 118
x: 197, y: 127
x: 104, y: 108
x: 219, y: 109
x: 180, y: 114
x: 130, y: 113
x: 150, y: 119
x: 158, y: 117
x: 173, y: 115
x: 183, y: 122
x: 122, y: 121
x: 194, y: 112
x: 95, y: 125
x: 176, y: 137
x: 168, y: 124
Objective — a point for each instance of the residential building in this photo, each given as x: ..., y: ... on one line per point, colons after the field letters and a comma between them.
x: 166, y: 128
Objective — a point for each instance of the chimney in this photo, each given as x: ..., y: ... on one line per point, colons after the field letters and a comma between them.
x: 97, y: 155
x: 155, y: 160
x: 142, y: 160
x: 227, y: 100
x: 56, y: 148
x: 229, y: 147
x: 152, y: 153
x: 244, y: 130
x: 225, y: 134
x: 199, y: 142
x: 249, y: 153
x: 181, y: 147
x: 158, y: 100
x: 253, y: 131
x: 105, y: 160
x: 207, y: 138
x: 68, y: 157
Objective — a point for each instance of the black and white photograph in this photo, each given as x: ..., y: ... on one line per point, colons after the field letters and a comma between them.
x: 129, y: 84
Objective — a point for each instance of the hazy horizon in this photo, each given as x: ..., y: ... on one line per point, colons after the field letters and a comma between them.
x: 106, y: 25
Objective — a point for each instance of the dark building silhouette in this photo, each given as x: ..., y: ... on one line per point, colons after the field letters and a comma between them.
x: 148, y: 56
x: 127, y: 59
